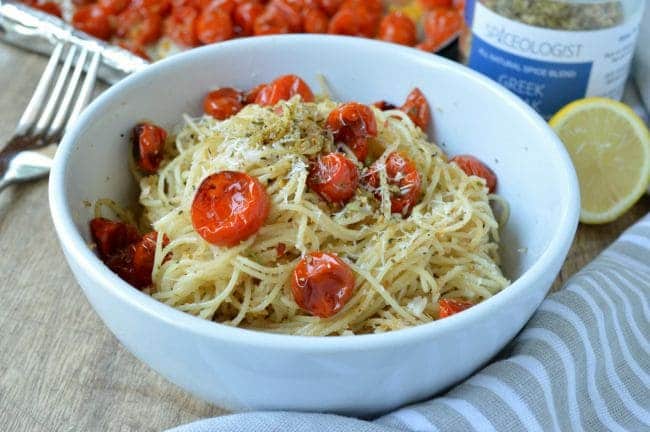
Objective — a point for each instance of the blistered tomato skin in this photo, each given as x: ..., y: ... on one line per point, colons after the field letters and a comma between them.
x: 138, y: 27
x: 159, y: 7
x: 112, y: 236
x: 434, y: 4
x: 334, y: 177
x: 315, y: 21
x: 417, y: 108
x: 223, y: 103
x: 271, y: 21
x: 330, y: 7
x: 353, y: 22
x: 373, y: 7
x: 180, y: 26
x: 49, y: 7
x: 93, y: 19
x: 214, y: 25
x: 251, y: 95
x: 229, y: 207
x: 402, y: 173
x: 440, y: 25
x: 449, y: 306
x: 352, y: 124
x: 148, y: 145
x: 322, y: 284
x: 134, y: 263
x: 284, y: 88
x: 124, y: 251
x: 398, y: 28
x: 245, y: 15
x: 113, y: 7
x: 291, y: 11
x: 428, y: 45
x: 474, y: 167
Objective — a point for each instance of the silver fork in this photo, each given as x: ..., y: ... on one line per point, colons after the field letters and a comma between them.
x: 56, y: 103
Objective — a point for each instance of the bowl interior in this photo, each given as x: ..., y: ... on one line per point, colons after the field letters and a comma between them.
x: 470, y: 116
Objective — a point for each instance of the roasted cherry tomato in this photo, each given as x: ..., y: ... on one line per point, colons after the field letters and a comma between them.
x: 352, y: 123
x: 227, y: 6
x: 180, y: 26
x: 134, y: 263
x: 158, y: 7
x: 245, y: 16
x: 281, y: 249
x: 402, y: 173
x: 450, y: 306
x: 417, y: 108
x: 229, y: 207
x: 354, y: 22
x: 284, y: 88
x: 442, y: 24
x: 374, y: 7
x: 398, y: 28
x: 434, y: 4
x: 322, y: 284
x: 459, y: 5
x: 223, y: 103
x: 330, y: 7
x: 472, y: 166
x: 148, y: 146
x: 124, y: 251
x: 92, y: 19
x: 144, y: 253
x: 334, y: 177
x: 428, y: 46
x: 113, y: 7
x: 251, y: 95
x: 111, y: 236
x: 271, y: 21
x: 49, y: 7
x: 315, y: 21
x: 291, y: 9
x: 384, y: 106
x: 214, y: 25
x: 138, y: 26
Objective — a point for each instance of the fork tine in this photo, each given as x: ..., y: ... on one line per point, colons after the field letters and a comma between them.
x: 59, y: 119
x: 86, y: 88
x: 36, y: 102
x: 55, y: 94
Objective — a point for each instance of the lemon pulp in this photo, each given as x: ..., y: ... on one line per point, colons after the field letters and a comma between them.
x: 610, y: 148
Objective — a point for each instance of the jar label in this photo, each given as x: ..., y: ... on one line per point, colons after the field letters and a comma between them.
x: 550, y: 68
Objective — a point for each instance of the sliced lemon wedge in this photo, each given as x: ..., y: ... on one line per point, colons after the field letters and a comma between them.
x: 610, y: 148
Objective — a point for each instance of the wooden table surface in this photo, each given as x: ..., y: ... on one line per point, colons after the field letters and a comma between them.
x: 60, y: 368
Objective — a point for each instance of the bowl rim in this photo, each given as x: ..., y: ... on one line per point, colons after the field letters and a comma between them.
x: 78, y: 250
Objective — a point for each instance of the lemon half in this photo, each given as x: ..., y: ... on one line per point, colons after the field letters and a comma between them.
x: 610, y: 148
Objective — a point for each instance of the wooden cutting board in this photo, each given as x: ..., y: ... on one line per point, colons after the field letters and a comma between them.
x: 60, y: 368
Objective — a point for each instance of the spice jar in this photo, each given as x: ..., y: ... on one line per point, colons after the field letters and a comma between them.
x: 551, y: 52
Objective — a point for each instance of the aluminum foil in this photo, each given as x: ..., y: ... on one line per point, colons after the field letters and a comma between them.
x: 37, y: 31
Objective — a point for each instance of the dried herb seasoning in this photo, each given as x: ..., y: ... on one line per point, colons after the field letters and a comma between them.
x: 560, y: 15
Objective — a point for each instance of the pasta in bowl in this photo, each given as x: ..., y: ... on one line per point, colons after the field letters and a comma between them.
x: 301, y: 215
x: 241, y: 367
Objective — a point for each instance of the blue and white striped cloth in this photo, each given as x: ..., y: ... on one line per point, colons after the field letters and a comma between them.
x: 581, y: 364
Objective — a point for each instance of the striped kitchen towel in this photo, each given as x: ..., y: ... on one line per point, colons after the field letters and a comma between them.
x: 582, y: 363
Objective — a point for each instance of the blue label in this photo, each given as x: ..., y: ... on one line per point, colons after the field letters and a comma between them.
x: 546, y: 86
x: 469, y: 11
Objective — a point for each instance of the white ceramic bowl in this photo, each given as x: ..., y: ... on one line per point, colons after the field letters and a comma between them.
x: 361, y: 375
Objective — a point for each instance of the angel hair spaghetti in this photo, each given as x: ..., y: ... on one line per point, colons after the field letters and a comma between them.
x: 283, y: 212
